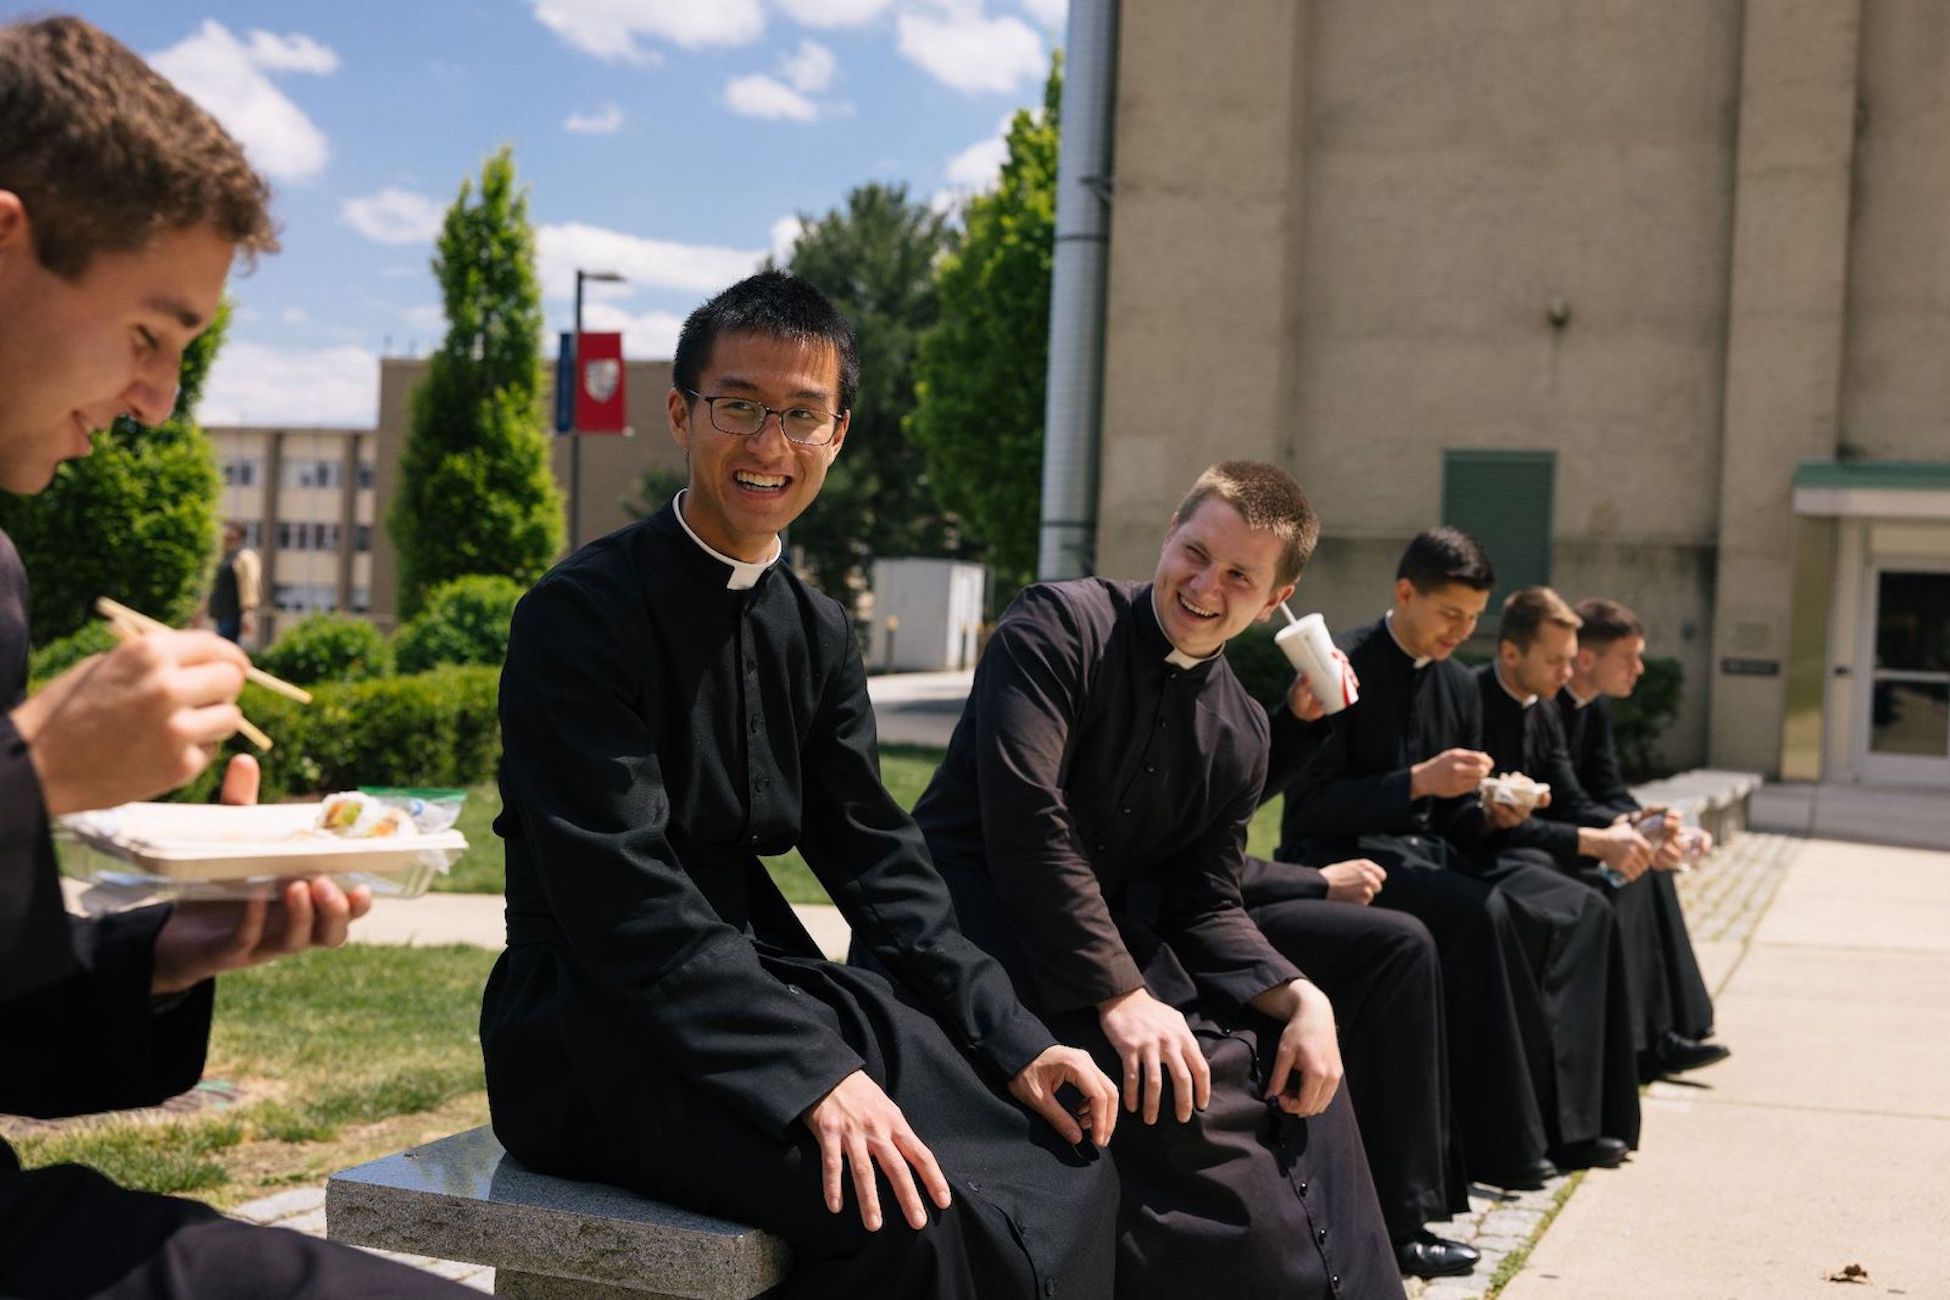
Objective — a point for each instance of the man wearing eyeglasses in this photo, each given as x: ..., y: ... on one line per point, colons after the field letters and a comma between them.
x: 675, y: 704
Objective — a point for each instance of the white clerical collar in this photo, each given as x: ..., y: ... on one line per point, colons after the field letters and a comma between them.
x: 1421, y: 661
x: 1582, y: 701
x: 1525, y: 700
x: 744, y: 573
x: 1177, y: 658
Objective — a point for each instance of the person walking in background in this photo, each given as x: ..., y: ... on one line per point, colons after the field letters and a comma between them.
x: 237, y: 589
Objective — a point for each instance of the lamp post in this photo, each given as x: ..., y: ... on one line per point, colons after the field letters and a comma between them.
x: 575, y: 378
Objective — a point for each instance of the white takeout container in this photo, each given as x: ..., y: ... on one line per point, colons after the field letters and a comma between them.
x: 144, y: 852
x: 1514, y: 789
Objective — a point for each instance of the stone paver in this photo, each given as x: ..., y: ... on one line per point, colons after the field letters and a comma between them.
x: 302, y: 1209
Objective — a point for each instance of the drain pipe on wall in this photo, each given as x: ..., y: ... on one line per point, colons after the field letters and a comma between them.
x: 1067, y: 541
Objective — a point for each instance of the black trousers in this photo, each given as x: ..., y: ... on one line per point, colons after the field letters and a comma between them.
x: 1382, y: 973
x: 1492, y: 1067
x: 1576, y: 998
x: 573, y: 1094
x: 68, y: 1231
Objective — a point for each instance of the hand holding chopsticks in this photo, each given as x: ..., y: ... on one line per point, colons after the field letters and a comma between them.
x: 130, y: 624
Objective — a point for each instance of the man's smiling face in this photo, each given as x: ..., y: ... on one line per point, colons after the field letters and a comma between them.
x: 74, y: 354
x: 744, y: 491
x: 1215, y: 578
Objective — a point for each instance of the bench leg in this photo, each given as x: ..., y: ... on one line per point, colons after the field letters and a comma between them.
x: 517, y: 1285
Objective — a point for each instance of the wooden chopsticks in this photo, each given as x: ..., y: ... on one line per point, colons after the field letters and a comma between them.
x: 129, y: 624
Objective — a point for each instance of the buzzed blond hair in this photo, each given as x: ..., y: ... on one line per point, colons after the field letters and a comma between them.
x: 1270, y: 500
x: 1527, y: 609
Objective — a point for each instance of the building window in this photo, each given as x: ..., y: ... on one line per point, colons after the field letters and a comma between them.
x: 241, y: 471
x: 361, y: 600
x: 253, y: 531
x: 362, y: 538
x: 366, y: 475
x: 305, y: 597
x: 324, y: 537
x: 291, y: 537
x: 314, y: 473
x: 1503, y: 499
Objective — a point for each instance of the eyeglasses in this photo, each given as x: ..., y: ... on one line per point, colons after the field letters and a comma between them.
x: 741, y: 417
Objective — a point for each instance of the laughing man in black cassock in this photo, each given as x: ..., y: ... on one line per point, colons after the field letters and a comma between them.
x: 676, y: 703
x: 1396, y: 782
x: 1090, y: 819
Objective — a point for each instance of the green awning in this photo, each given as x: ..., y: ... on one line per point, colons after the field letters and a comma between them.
x: 1875, y: 475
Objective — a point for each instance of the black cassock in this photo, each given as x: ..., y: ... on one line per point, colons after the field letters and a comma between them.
x: 1090, y: 820
x: 1517, y: 939
x: 1383, y: 972
x: 79, y: 1034
x: 660, y: 1019
x: 1668, y: 988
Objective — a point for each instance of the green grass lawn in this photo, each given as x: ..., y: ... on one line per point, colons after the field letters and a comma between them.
x: 339, y: 1056
x: 906, y: 769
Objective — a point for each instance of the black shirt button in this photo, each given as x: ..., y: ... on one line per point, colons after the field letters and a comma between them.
x: 1103, y: 848
x: 1151, y: 767
x: 1127, y: 812
x: 1049, y: 1287
x: 1320, y: 1235
x: 1303, y: 1189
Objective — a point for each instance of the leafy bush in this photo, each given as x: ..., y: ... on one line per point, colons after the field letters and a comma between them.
x: 1641, y: 719
x: 435, y: 728
x: 463, y: 622
x: 56, y: 657
x: 1260, y: 666
x: 328, y: 648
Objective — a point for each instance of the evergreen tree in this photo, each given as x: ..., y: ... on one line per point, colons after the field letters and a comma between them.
x: 875, y: 259
x: 980, y: 375
x: 476, y: 495
x: 136, y: 519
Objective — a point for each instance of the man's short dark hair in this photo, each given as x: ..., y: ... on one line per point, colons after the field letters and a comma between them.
x: 105, y: 154
x: 1527, y: 609
x: 1606, y: 622
x: 776, y: 304
x: 1270, y: 500
x: 1446, y: 556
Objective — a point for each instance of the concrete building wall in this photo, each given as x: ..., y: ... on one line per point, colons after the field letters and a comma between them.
x: 1682, y: 244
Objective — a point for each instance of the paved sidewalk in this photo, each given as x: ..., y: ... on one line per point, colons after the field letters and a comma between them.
x: 1825, y: 1141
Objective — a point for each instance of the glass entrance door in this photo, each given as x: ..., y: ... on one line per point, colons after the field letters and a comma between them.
x: 1908, y: 718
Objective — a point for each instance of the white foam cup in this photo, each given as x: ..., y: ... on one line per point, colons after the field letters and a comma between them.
x: 1310, y: 650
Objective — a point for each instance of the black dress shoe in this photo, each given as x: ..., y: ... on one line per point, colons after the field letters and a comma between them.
x: 1597, y: 1153
x: 1524, y: 1178
x: 1676, y: 1054
x: 1423, y: 1254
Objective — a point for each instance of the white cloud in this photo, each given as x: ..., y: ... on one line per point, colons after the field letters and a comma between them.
x: 614, y: 29
x: 976, y: 167
x: 758, y: 95
x: 608, y: 122
x: 972, y: 53
x: 810, y: 68
x: 432, y: 319
x: 1052, y: 14
x: 833, y: 13
x: 226, y: 77
x: 785, y: 233
x: 294, y: 53
x: 650, y: 335
x: 252, y: 383
x: 393, y: 216
x: 294, y: 316
x: 644, y: 263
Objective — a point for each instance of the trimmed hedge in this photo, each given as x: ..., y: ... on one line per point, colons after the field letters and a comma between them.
x: 462, y: 622
x: 327, y: 648
x: 1639, y: 720
x: 437, y: 728
x: 57, y: 656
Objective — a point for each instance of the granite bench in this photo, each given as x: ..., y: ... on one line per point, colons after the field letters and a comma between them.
x: 1715, y: 800
x: 464, y: 1198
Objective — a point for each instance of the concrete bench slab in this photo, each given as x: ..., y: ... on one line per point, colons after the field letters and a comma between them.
x: 464, y: 1198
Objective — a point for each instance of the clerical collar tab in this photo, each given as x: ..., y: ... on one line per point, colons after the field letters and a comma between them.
x: 1179, y: 659
x: 744, y: 573
x: 1525, y: 700
x: 1421, y: 661
x: 1175, y: 657
x: 1582, y: 701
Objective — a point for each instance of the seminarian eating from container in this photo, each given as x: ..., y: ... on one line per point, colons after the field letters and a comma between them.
x: 675, y: 704
x: 1090, y: 819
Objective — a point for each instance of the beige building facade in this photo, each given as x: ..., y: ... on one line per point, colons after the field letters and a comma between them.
x: 1650, y: 296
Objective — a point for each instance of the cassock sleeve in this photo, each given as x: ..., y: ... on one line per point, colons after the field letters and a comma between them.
x: 1205, y: 921
x: 1028, y: 692
x: 97, y: 1040
x: 1334, y: 800
x: 870, y: 856
x: 1292, y: 747
x: 1570, y: 801
x: 581, y: 775
x: 1553, y: 829
x: 35, y: 947
x: 1606, y: 783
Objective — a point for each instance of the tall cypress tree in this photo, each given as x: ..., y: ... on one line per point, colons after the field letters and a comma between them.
x: 476, y: 494
x: 136, y: 519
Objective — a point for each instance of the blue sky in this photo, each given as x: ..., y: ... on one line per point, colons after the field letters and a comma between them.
x: 674, y: 141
